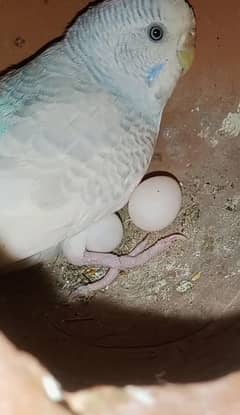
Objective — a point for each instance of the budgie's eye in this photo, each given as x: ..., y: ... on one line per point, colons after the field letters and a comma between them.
x: 156, y: 32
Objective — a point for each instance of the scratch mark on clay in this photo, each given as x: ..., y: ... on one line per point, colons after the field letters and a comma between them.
x: 230, y: 127
x: 231, y: 124
x: 206, y: 134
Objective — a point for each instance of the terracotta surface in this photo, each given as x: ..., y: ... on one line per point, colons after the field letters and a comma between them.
x: 25, y: 384
x: 178, y: 318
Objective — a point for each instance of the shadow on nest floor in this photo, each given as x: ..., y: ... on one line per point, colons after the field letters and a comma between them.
x: 92, y: 342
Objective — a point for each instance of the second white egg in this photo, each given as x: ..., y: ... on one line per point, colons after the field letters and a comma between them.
x: 106, y: 235
x: 155, y: 203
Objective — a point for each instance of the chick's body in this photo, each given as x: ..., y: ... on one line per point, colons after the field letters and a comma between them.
x: 78, y: 123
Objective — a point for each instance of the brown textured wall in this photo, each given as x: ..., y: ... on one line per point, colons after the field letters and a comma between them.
x: 200, y: 102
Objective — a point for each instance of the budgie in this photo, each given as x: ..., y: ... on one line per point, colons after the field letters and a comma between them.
x: 79, y: 123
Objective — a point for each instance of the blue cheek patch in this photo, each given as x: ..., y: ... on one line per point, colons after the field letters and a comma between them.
x: 155, y: 72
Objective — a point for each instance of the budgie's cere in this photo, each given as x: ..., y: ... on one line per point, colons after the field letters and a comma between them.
x: 78, y: 124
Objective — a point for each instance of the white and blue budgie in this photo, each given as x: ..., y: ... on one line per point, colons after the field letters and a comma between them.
x: 78, y: 123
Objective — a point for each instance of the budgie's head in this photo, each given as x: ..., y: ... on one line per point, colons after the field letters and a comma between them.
x: 136, y: 47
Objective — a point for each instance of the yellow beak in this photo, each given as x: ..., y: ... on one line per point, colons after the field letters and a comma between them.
x: 187, y: 52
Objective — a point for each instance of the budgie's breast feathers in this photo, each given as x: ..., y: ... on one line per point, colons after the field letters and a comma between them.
x: 63, y: 162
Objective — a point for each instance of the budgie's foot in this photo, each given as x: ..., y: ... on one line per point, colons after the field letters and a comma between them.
x: 139, y: 256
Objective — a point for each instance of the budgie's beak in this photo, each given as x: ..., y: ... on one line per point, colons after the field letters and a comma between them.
x: 186, y: 51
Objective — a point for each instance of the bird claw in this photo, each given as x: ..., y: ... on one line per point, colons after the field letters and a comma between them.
x: 140, y: 255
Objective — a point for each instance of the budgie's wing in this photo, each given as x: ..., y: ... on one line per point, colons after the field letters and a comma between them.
x: 57, y: 162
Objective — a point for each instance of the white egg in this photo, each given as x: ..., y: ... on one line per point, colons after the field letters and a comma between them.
x: 73, y: 248
x: 155, y: 203
x: 106, y: 235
